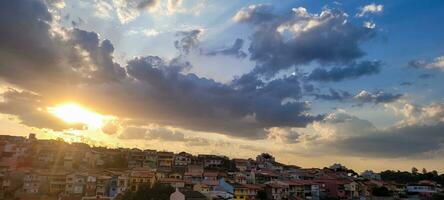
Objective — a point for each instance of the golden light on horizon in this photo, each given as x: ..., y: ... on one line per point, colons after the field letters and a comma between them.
x: 73, y: 113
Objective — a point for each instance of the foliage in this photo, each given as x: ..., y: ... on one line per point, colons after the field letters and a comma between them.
x: 438, y: 196
x: 145, y: 192
x: 117, y: 161
x: 408, y: 177
x: 261, y: 195
x: 381, y: 192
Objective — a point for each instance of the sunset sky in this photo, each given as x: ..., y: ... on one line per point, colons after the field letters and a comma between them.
x: 312, y: 82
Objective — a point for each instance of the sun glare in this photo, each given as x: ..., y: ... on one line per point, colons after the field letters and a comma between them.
x: 73, y: 113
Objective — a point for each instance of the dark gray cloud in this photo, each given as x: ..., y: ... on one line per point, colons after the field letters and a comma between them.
x: 235, y: 50
x: 352, y: 71
x: 425, y: 76
x: 248, y: 109
x: 396, y: 142
x: 283, y: 41
x: 378, y: 97
x: 406, y: 83
x: 188, y: 41
x: 334, y: 95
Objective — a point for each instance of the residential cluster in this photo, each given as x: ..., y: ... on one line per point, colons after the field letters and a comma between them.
x: 32, y: 168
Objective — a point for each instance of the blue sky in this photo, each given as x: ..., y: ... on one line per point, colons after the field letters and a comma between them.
x: 313, y: 82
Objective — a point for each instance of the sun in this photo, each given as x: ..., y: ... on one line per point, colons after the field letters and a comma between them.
x: 73, y: 113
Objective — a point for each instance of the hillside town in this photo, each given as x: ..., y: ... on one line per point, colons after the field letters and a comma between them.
x: 32, y: 168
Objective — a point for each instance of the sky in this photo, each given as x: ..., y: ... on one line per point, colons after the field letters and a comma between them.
x: 312, y: 82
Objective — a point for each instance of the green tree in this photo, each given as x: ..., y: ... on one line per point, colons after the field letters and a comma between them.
x: 381, y: 192
x: 145, y: 192
x: 261, y: 195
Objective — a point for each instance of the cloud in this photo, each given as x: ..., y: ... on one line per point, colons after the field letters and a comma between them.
x: 344, y: 134
x: 254, y: 14
x: 172, y: 5
x: 103, y: 9
x: 371, y: 8
x: 284, y: 135
x: 133, y: 133
x: 32, y: 112
x: 413, y: 140
x: 150, y: 32
x: 425, y: 76
x: 436, y: 63
x: 188, y: 41
x: 235, y: 50
x: 77, y: 65
x: 279, y: 42
x: 378, y: 97
x: 334, y: 95
x: 370, y: 25
x: 128, y: 10
x: 352, y: 71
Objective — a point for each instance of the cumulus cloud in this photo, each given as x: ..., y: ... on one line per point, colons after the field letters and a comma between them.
x: 254, y: 14
x: 189, y: 40
x: 346, y: 134
x: 283, y: 41
x: 284, y: 135
x: 128, y: 10
x: 371, y: 8
x: 378, y: 97
x: 370, y: 25
x: 436, y: 63
x: 235, y: 50
x: 352, y: 71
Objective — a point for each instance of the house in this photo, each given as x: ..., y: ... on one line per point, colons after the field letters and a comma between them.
x: 141, y: 177
x: 241, y: 164
x: 5, y: 184
x: 75, y: 184
x: 103, y: 185
x: 340, y: 188
x: 175, y: 183
x: 276, y: 190
x: 91, y: 182
x: 150, y: 160
x: 422, y: 187
x: 57, y: 182
x: 210, y: 178
x: 194, y: 174
x: 182, y: 159
x: 246, y: 191
x: 136, y: 158
x: 165, y: 160
x: 122, y: 183
x: 305, y: 189
x: 369, y: 174
x: 212, y: 161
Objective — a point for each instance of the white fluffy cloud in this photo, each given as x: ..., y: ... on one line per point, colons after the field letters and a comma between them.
x: 371, y: 8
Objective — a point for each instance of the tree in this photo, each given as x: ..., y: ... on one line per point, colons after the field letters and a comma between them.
x: 261, y: 195
x: 146, y: 192
x: 381, y: 192
x: 424, y: 171
x: 414, y: 170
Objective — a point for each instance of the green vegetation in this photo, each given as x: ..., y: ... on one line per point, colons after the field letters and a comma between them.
x: 145, y: 192
x: 411, y: 177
